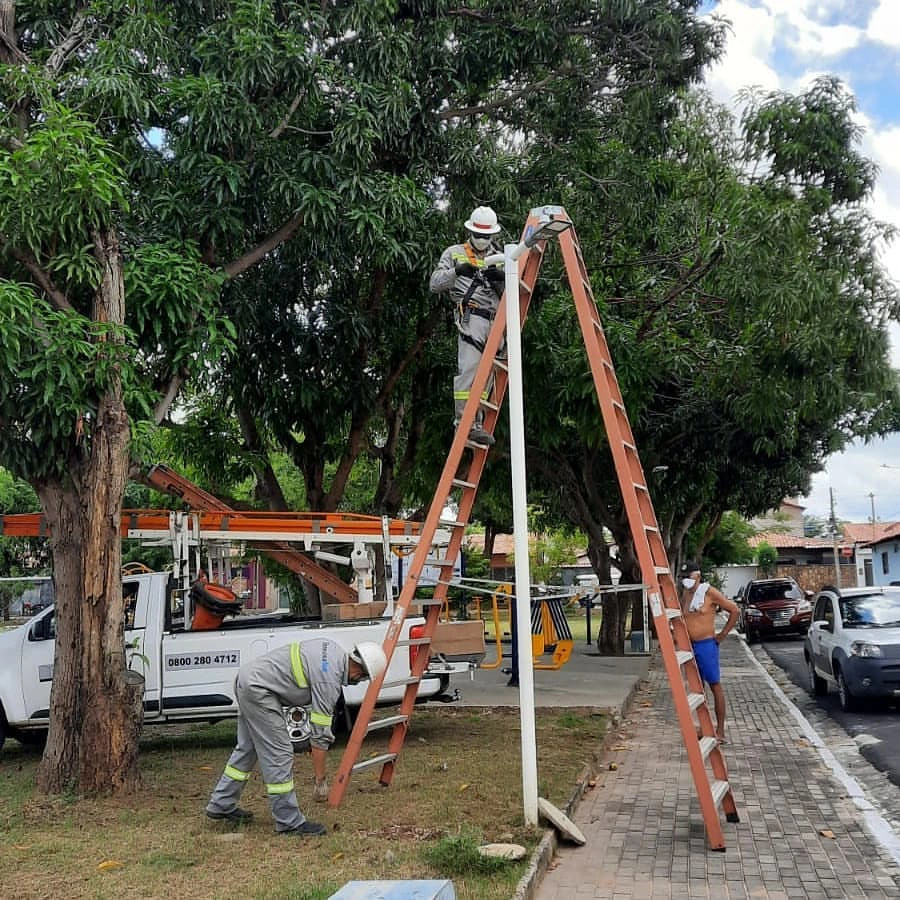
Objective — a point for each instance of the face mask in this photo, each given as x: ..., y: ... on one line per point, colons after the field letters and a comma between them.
x: 687, y: 582
x: 480, y: 243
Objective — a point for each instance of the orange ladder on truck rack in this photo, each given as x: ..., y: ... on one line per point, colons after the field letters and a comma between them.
x: 171, y: 482
x: 711, y: 785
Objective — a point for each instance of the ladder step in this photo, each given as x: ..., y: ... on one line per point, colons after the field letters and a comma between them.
x: 501, y: 364
x: 651, y: 529
x: 444, y: 523
x: 386, y: 722
x: 640, y: 486
x: 458, y: 482
x: 719, y: 790
x: 488, y: 405
x: 426, y: 601
x: 673, y: 613
x: 707, y: 745
x: 695, y: 701
x: 683, y: 656
x: 399, y: 682
x: 662, y: 570
x: 630, y: 447
x: 439, y: 562
x: 414, y: 642
x: 379, y: 760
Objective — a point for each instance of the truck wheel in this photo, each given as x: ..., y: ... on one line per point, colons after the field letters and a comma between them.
x: 848, y: 701
x: 817, y: 685
x: 29, y: 737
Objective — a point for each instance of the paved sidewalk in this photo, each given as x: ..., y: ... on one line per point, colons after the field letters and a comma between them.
x: 644, y: 830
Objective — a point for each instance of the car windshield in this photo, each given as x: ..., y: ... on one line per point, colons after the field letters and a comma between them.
x: 778, y: 590
x: 871, y: 611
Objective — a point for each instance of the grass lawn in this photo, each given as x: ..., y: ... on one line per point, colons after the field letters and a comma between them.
x: 458, y: 783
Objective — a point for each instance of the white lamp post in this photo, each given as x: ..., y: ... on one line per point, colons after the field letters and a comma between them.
x: 547, y: 227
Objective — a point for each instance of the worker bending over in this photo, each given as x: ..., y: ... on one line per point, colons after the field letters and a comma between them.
x: 309, y: 674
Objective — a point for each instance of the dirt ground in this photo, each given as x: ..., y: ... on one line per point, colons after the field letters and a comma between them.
x: 459, y: 774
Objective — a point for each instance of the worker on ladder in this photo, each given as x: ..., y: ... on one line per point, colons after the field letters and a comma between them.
x: 309, y: 674
x: 476, y: 290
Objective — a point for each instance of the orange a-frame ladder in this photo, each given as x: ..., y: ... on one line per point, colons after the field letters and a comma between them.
x: 703, y: 750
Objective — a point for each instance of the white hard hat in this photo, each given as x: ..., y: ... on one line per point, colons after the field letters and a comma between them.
x: 482, y: 221
x: 371, y: 657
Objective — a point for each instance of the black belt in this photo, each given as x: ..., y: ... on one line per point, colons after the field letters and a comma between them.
x: 484, y: 313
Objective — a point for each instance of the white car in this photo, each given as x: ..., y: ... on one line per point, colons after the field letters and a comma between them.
x: 854, y: 644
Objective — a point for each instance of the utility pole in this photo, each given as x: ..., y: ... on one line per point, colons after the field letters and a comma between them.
x: 872, y: 498
x: 834, y: 546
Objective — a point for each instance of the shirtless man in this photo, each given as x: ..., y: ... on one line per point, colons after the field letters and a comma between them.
x: 699, y: 603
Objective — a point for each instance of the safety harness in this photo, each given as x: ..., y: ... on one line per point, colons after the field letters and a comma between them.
x: 466, y: 307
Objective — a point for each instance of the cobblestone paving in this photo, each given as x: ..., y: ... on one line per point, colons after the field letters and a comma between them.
x: 644, y: 830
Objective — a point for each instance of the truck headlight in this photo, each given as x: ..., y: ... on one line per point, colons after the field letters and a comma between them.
x: 753, y: 612
x: 804, y: 606
x: 864, y: 648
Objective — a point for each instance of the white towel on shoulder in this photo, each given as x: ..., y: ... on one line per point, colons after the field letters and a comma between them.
x: 699, y: 597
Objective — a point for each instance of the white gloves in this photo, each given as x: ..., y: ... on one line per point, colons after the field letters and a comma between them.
x: 320, y: 791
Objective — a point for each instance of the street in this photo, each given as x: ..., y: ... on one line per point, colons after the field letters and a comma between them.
x: 875, y: 729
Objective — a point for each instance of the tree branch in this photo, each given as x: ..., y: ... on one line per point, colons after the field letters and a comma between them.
x: 176, y: 382
x: 252, y: 257
x: 276, y: 132
x: 503, y: 101
x: 43, y: 279
x: 70, y: 43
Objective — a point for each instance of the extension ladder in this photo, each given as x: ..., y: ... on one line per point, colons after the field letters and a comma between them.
x: 703, y: 749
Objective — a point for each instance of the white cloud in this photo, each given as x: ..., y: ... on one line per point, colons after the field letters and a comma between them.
x: 751, y: 44
x: 884, y: 25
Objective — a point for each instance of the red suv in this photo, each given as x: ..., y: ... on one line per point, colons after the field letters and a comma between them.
x: 774, y: 606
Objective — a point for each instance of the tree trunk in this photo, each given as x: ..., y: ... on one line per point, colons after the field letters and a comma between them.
x: 95, y: 708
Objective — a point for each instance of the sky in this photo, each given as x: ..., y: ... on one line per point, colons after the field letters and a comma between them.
x: 783, y: 45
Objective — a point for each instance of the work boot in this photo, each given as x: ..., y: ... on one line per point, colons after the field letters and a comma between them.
x: 480, y: 436
x: 233, y: 815
x: 308, y: 829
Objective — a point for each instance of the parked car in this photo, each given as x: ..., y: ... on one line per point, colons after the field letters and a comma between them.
x: 854, y: 644
x: 773, y: 606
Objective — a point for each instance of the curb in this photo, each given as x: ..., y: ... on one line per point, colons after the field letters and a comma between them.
x: 546, y: 848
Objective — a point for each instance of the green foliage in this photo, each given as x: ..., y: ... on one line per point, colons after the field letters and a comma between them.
x: 730, y: 541
x: 766, y: 557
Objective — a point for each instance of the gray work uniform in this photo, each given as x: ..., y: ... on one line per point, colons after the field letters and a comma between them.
x: 311, y: 674
x: 474, y: 317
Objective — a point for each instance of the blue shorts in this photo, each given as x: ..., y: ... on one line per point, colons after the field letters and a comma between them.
x: 706, y: 652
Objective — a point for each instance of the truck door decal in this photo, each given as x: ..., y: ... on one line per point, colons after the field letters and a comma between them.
x: 175, y: 662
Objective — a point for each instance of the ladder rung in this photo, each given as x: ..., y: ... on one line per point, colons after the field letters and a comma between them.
x: 695, y: 701
x: 414, y: 642
x: 524, y: 286
x: 439, y: 561
x: 444, y: 523
x: 488, y: 405
x: 630, y: 447
x: 640, y: 486
x: 501, y: 364
x: 386, y: 722
x: 399, y: 682
x: 652, y: 529
x: 719, y: 790
x: 618, y: 405
x: 673, y: 613
x: 379, y: 760
x: 458, y: 482
x: 426, y: 601
x: 662, y: 570
x: 707, y: 745
x: 683, y: 656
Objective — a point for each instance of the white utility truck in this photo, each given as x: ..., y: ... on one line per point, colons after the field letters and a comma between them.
x: 189, y: 674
